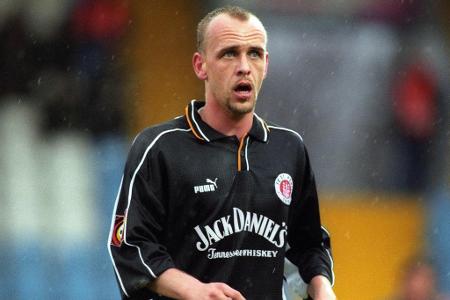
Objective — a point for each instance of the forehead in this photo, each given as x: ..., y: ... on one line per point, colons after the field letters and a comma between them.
x: 225, y: 29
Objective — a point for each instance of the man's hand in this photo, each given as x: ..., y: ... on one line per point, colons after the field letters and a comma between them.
x: 176, y: 284
x: 320, y: 288
x: 214, y: 291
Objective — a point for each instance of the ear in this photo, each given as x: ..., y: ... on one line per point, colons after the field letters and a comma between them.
x: 266, y: 67
x: 198, y: 62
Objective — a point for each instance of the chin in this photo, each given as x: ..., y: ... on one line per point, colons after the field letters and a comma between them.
x: 242, y: 108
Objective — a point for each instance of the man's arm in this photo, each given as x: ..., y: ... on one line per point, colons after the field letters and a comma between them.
x: 320, y: 288
x: 135, y: 246
x: 309, y: 242
x: 176, y: 284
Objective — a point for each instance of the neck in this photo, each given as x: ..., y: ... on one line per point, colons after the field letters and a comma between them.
x: 226, y: 123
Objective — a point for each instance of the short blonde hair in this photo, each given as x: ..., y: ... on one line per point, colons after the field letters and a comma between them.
x: 232, y: 11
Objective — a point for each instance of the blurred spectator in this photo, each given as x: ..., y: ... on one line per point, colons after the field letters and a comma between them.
x: 418, y: 282
x: 97, y: 27
x: 415, y: 94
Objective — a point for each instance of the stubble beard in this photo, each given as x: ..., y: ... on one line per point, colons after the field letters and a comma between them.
x: 239, y: 109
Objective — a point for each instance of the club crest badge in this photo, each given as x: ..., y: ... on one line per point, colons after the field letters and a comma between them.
x: 117, y: 234
x: 283, y: 187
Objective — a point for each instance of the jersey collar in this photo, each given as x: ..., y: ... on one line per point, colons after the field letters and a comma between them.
x: 204, y: 132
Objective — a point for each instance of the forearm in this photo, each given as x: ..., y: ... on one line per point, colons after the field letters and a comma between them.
x: 175, y: 284
x: 320, y: 288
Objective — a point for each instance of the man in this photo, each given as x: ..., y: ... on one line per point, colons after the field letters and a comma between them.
x: 208, y: 202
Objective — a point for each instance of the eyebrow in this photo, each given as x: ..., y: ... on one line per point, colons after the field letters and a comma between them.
x: 256, y: 48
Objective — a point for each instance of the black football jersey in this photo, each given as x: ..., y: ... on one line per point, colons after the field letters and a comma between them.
x: 217, y: 208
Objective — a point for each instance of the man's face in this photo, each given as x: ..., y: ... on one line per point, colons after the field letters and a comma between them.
x: 234, y: 61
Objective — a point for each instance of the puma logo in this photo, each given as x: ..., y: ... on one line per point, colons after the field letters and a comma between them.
x: 212, y: 182
x: 210, y: 186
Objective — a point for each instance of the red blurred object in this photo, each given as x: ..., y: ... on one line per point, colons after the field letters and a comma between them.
x: 416, y: 101
x: 395, y: 12
x: 100, y: 19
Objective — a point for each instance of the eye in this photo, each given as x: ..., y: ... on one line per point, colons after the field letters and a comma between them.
x: 255, y: 54
x: 229, y: 54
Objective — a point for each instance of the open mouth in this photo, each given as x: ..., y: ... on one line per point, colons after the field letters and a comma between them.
x: 243, y: 90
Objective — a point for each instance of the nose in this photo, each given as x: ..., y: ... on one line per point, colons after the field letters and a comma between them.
x: 244, y: 66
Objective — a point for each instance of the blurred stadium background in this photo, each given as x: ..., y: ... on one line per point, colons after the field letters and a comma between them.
x: 365, y: 82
